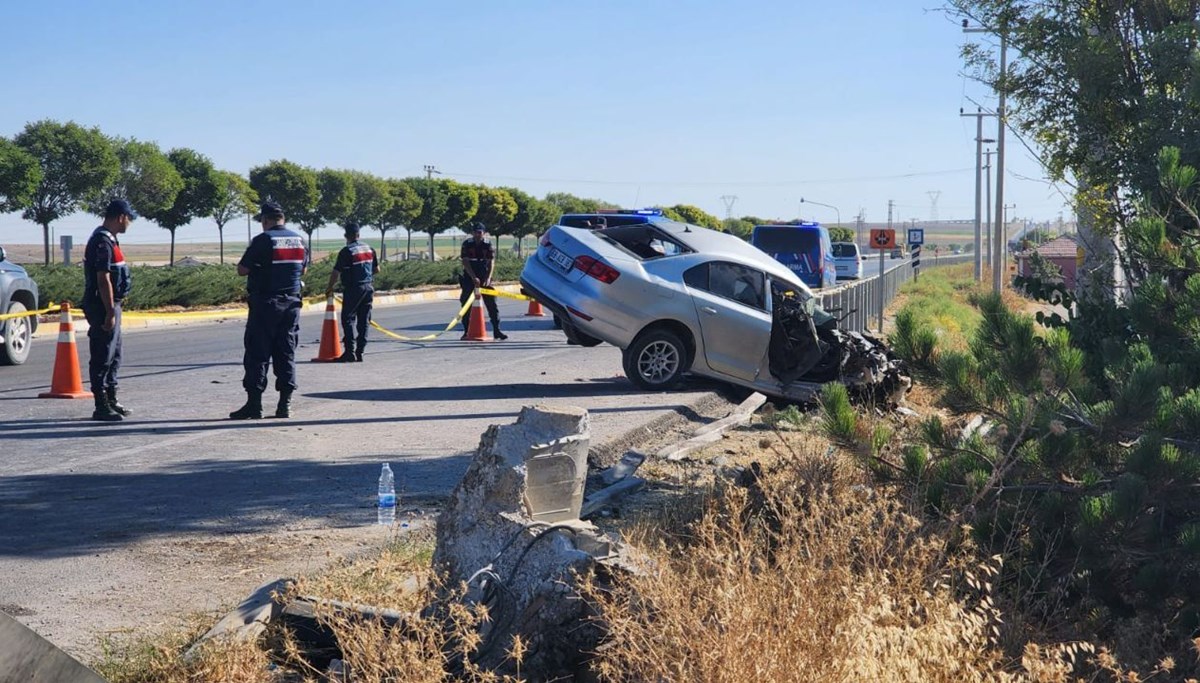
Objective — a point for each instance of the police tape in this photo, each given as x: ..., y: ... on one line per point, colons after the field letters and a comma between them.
x: 433, y: 335
x: 51, y: 308
x: 488, y: 291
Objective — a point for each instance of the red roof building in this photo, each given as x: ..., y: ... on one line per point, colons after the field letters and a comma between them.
x: 1063, y: 252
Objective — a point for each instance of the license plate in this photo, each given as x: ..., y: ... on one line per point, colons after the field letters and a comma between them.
x: 560, y: 259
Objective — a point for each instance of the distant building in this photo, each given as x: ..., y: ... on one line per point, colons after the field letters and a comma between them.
x: 1062, y: 252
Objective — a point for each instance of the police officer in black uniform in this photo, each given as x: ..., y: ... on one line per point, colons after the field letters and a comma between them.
x: 272, y: 264
x: 478, y: 258
x: 356, y: 264
x: 106, y: 283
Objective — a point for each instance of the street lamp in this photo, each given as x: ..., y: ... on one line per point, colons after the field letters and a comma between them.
x: 828, y: 206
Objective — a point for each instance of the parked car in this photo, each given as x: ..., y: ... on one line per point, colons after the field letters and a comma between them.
x: 18, y: 294
x: 848, y: 260
x: 677, y: 298
x: 805, y: 248
x: 898, y: 252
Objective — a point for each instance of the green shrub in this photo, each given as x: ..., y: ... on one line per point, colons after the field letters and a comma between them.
x: 217, y: 285
x: 839, y: 419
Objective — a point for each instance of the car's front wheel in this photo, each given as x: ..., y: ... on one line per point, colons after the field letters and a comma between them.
x: 656, y: 360
x: 18, y: 335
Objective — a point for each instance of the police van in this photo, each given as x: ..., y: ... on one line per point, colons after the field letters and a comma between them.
x: 804, y: 247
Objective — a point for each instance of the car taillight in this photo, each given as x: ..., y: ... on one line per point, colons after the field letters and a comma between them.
x: 544, y: 240
x: 597, y: 269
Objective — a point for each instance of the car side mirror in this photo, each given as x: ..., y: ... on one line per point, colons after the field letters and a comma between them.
x: 3, y: 254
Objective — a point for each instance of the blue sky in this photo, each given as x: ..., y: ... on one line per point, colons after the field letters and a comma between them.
x: 637, y: 102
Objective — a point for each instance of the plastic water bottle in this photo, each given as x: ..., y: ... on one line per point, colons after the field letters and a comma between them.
x: 387, y: 496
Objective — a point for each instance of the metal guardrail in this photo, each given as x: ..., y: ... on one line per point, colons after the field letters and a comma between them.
x: 858, y: 302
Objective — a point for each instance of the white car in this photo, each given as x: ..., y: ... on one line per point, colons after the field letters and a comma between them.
x: 677, y: 298
x: 847, y: 260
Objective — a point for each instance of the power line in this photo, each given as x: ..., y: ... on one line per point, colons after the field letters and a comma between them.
x: 686, y: 183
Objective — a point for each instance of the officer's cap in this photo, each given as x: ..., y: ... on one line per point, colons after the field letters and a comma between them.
x: 119, y: 207
x: 352, y: 228
x: 478, y: 227
x: 269, y: 209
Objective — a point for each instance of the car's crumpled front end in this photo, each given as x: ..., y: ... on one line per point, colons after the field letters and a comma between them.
x: 808, y: 348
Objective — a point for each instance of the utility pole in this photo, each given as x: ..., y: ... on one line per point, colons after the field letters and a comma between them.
x: 891, y: 203
x: 1001, y: 123
x: 430, y: 169
x: 979, y: 140
x: 729, y: 200
x: 987, y: 167
x: 859, y: 225
x: 1004, y: 232
x: 934, y: 195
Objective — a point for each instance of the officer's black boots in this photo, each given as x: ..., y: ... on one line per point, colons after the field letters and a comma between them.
x: 346, y: 357
x: 496, y: 331
x: 111, y: 393
x: 104, y: 411
x: 358, y: 356
x: 284, y: 409
x: 252, y: 410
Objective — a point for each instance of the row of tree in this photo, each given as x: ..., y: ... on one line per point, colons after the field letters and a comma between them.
x: 50, y: 170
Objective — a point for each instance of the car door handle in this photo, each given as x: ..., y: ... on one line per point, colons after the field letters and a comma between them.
x: 709, y: 310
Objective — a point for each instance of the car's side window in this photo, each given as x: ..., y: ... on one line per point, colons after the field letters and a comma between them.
x: 696, y: 277
x: 730, y: 281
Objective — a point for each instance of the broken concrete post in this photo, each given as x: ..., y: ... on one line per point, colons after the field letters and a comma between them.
x: 26, y: 656
x: 248, y: 620
x: 511, y: 532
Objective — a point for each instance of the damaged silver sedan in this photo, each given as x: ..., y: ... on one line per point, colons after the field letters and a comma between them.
x: 677, y: 298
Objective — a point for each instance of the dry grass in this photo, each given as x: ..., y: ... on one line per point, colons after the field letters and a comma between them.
x: 806, y: 575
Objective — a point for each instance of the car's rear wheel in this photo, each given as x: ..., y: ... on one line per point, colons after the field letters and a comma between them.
x: 656, y: 360
x: 18, y: 336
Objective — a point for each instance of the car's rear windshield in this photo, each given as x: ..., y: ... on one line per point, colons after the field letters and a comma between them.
x: 589, y: 220
x: 844, y: 250
x: 644, y: 241
x: 783, y: 239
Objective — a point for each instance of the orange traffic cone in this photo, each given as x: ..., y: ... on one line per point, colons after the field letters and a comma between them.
x: 535, y: 309
x: 66, y: 381
x: 331, y: 340
x: 476, y: 328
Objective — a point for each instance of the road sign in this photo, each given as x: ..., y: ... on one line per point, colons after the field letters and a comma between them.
x: 883, y: 238
x: 916, y: 259
x: 916, y: 235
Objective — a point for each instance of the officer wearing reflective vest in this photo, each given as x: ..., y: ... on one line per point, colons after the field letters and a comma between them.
x: 272, y: 266
x: 478, y: 258
x: 356, y: 264
x: 106, y: 283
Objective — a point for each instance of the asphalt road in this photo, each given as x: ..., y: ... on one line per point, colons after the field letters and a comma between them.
x: 99, y: 521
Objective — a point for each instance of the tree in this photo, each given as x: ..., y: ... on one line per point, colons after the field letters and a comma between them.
x: 75, y: 163
x: 672, y: 214
x: 841, y: 234
x: 147, y: 180
x: 406, y: 206
x: 19, y: 176
x: 497, y: 207
x: 738, y: 226
x: 335, y: 205
x: 372, y: 201
x: 462, y: 203
x: 234, y: 198
x: 569, y: 203
x: 532, y: 216
x: 290, y: 184
x: 338, y: 195
x: 697, y: 216
x: 433, y: 195
x: 198, y: 197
